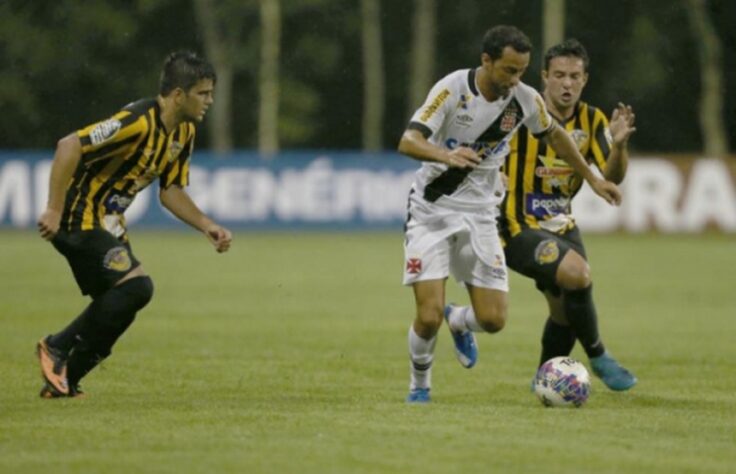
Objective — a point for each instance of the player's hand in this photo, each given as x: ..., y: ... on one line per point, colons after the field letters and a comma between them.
x: 220, y: 237
x: 49, y: 223
x: 622, y: 124
x: 607, y: 190
x: 463, y: 157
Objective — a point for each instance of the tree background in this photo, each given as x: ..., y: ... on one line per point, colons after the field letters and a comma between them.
x: 67, y: 63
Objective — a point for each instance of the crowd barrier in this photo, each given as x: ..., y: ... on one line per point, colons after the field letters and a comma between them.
x: 363, y: 191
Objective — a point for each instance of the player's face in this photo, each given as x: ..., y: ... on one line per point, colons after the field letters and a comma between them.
x: 506, y: 71
x: 564, y: 81
x: 197, y: 100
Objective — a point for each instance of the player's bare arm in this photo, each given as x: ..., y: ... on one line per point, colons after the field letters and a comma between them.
x: 176, y: 200
x: 414, y: 144
x: 565, y: 148
x: 66, y: 158
x: 621, y: 128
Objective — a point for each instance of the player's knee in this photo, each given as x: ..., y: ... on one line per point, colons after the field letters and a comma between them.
x: 575, y: 277
x: 139, y: 291
x: 492, y: 318
x: 429, y: 316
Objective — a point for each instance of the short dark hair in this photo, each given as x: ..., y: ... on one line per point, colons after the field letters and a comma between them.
x: 569, y: 47
x: 498, y: 37
x: 183, y: 69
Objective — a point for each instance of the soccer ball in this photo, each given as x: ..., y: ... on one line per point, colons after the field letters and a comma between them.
x: 562, y: 382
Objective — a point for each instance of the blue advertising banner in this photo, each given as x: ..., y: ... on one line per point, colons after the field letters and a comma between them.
x: 295, y: 190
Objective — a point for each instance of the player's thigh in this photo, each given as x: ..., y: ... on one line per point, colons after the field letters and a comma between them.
x: 98, y: 259
x: 490, y: 307
x: 537, y: 254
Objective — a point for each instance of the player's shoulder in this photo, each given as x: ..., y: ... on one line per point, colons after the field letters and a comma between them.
x: 140, y: 107
x: 525, y: 93
x: 456, y: 80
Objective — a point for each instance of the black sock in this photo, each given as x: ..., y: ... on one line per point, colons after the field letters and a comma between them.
x: 583, y: 319
x: 107, y: 317
x: 65, y: 339
x: 557, y: 340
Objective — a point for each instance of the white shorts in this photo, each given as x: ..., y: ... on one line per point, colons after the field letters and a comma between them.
x: 441, y: 241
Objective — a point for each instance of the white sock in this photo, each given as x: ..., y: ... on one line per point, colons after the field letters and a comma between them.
x: 462, y: 318
x: 421, y: 353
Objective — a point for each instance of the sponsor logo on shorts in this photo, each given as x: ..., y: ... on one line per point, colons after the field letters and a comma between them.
x: 414, y: 266
x: 498, y: 269
x: 546, y: 252
x: 104, y: 131
x: 117, y: 259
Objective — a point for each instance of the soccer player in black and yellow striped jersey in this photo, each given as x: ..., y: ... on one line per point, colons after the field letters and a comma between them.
x: 95, y: 176
x: 541, y: 239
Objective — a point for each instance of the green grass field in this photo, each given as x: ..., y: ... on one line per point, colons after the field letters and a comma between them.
x: 289, y: 355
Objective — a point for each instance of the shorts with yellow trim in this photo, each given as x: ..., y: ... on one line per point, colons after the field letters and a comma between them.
x: 97, y: 258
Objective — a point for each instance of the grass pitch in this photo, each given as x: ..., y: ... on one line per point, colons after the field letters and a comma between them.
x: 289, y: 355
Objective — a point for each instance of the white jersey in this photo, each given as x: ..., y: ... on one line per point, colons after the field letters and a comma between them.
x: 456, y: 114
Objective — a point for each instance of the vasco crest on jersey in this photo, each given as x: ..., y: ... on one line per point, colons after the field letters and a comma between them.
x: 508, y: 122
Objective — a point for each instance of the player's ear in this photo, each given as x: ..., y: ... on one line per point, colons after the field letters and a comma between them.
x: 544, y: 77
x: 585, y: 78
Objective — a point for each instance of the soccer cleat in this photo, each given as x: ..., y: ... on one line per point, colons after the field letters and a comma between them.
x: 418, y: 395
x: 466, y: 350
x: 48, y: 392
x: 612, y: 373
x: 53, y: 366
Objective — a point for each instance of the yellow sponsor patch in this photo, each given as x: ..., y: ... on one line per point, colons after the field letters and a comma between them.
x: 436, y: 104
x: 546, y: 252
x: 117, y: 259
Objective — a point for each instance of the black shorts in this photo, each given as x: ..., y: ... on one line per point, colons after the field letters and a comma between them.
x: 537, y: 254
x: 98, y: 259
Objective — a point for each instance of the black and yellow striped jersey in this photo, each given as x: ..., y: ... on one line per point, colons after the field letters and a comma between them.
x: 121, y: 156
x: 541, y: 185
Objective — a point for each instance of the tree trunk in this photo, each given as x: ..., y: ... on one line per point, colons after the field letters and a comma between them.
x: 554, y: 23
x: 373, y: 85
x: 713, y: 129
x: 423, y: 41
x: 268, y: 77
x: 219, y: 117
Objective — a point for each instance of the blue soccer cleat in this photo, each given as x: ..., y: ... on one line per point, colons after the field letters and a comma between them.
x: 418, y: 395
x: 466, y: 350
x: 612, y: 373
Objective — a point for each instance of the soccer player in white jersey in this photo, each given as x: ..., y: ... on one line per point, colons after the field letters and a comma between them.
x: 461, y: 135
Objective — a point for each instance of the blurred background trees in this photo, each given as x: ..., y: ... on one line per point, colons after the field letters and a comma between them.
x: 346, y: 74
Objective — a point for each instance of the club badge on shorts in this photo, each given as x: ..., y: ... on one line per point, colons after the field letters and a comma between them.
x: 414, y: 266
x: 117, y: 259
x: 547, y: 251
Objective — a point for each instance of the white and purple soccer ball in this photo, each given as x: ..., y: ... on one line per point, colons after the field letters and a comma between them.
x: 562, y: 382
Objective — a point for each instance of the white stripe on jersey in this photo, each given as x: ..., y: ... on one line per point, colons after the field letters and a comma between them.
x: 458, y: 115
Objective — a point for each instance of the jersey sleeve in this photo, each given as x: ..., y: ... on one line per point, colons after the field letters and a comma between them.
x: 429, y: 117
x: 106, y: 138
x: 600, y: 144
x: 536, y: 117
x: 176, y: 171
